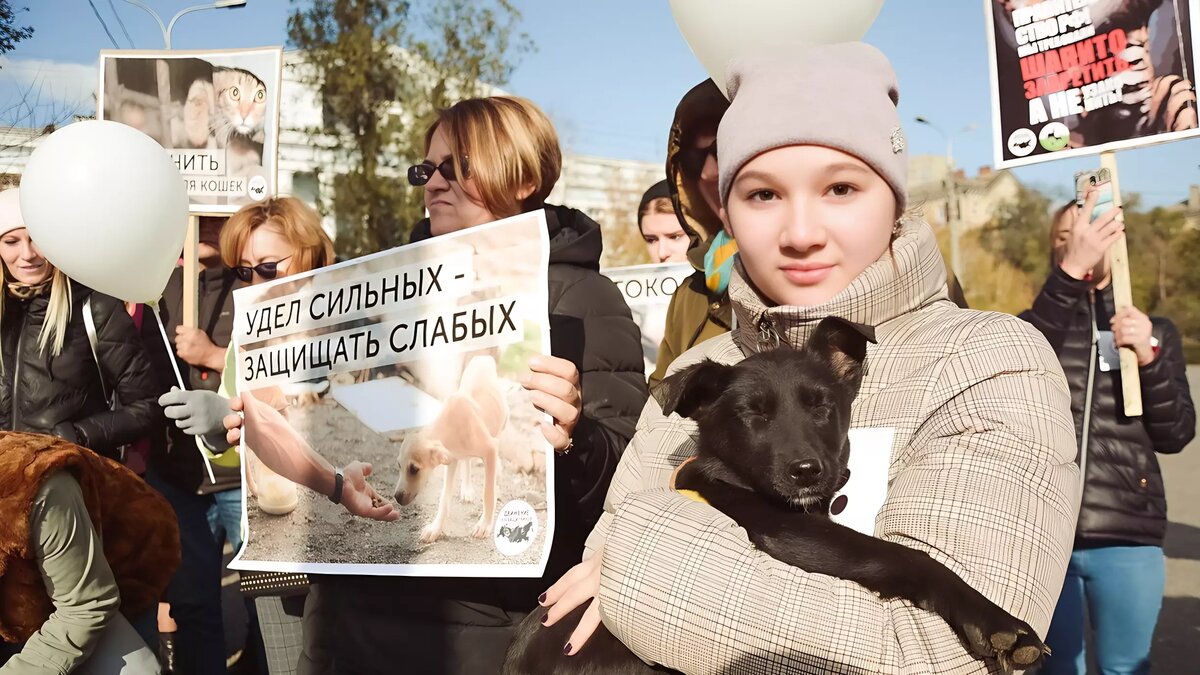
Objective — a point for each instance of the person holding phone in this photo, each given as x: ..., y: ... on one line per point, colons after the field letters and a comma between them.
x: 1116, y: 573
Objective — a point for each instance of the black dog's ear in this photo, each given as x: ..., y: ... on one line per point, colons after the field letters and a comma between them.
x: 844, y: 344
x: 692, y: 388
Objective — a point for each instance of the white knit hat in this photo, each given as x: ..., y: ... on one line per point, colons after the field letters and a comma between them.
x: 841, y: 96
x: 10, y: 211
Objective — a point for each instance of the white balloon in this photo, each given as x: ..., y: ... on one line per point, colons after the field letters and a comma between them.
x: 107, y: 206
x: 719, y: 31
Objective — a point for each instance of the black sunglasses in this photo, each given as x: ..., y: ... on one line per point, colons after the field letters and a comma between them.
x: 692, y: 159
x: 419, y: 174
x: 267, y: 270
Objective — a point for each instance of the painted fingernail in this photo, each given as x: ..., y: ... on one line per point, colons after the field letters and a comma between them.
x: 545, y: 617
x: 567, y: 650
x: 541, y: 598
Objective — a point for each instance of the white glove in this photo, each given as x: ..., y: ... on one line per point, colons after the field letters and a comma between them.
x: 198, y: 413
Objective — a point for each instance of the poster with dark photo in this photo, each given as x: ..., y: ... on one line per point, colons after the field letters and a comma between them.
x: 216, y: 113
x: 1078, y: 77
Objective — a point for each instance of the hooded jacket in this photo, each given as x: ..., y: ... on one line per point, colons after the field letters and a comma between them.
x: 1124, y: 501
x: 464, y: 625
x: 696, y: 313
x: 980, y: 476
x: 62, y: 395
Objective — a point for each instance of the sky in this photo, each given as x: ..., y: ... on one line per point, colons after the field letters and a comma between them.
x: 610, y: 72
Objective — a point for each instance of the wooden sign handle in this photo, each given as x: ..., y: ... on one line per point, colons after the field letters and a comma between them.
x: 191, y: 274
x: 1131, y: 382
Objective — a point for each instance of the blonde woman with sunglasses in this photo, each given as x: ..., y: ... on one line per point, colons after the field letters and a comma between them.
x: 280, y: 237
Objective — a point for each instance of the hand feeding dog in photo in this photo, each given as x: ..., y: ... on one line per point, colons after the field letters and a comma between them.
x: 467, y: 427
x: 771, y: 453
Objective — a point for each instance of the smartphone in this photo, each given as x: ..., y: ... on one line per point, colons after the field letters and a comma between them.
x: 1101, y: 180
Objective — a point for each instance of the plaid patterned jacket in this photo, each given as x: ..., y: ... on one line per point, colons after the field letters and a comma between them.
x: 982, y: 478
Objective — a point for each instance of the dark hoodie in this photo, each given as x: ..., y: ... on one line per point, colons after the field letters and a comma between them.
x: 385, y: 625
x: 696, y: 313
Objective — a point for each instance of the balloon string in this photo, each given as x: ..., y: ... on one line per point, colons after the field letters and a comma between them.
x: 162, y: 330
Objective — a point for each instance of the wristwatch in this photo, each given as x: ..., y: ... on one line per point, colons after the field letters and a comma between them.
x: 338, y: 482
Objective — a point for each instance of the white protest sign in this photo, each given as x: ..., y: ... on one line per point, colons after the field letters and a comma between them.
x: 647, y: 290
x: 421, y: 348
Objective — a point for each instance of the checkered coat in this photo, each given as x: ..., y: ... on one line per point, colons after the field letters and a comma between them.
x: 982, y: 478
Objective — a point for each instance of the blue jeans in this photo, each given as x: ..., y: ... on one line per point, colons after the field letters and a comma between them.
x: 225, y: 518
x: 1121, y: 589
x: 195, y: 590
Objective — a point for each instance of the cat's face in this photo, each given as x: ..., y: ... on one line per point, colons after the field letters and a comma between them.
x: 241, y: 101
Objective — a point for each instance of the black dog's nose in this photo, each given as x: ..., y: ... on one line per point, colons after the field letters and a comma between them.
x: 805, y: 472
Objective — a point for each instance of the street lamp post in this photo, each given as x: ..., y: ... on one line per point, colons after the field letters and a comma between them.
x: 167, y: 28
x: 953, y: 212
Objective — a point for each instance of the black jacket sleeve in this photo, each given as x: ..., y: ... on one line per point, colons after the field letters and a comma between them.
x: 592, y: 326
x: 127, y: 370
x: 1167, y: 409
x: 1054, y: 307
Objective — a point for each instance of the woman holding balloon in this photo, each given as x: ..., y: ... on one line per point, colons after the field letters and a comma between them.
x: 73, y: 364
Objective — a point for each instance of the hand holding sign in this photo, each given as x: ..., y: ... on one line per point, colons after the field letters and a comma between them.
x: 718, y: 30
x: 1132, y: 328
x: 107, y: 206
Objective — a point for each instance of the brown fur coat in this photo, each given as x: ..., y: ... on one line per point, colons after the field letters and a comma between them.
x: 136, y: 525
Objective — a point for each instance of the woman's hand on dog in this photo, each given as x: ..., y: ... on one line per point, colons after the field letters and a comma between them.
x: 579, y: 585
x: 360, y: 498
x: 554, y: 388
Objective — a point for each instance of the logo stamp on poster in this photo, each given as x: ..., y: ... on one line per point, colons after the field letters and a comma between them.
x: 1020, y: 143
x: 258, y: 188
x: 1054, y: 136
x: 516, y: 528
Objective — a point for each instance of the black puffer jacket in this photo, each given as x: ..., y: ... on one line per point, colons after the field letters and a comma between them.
x: 1123, y: 497
x: 62, y: 395
x: 382, y: 625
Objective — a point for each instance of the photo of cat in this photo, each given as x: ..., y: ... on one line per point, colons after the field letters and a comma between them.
x: 216, y: 113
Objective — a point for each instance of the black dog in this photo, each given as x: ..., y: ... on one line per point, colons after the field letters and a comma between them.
x: 772, y: 451
x: 516, y: 535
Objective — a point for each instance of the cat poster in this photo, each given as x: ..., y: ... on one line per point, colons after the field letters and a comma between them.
x: 216, y: 113
x: 401, y: 369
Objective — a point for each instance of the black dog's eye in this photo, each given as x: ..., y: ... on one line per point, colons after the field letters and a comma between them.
x: 752, y: 417
x: 811, y: 399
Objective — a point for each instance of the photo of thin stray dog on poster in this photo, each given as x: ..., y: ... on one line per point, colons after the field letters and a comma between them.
x: 408, y: 361
x: 468, y: 426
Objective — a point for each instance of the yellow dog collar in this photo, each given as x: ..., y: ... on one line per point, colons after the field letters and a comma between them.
x: 690, y: 494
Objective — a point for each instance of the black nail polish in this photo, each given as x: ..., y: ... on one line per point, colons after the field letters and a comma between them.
x: 545, y: 617
x: 541, y: 598
x: 567, y: 649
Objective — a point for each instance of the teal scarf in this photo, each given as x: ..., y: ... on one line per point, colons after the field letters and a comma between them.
x: 718, y: 262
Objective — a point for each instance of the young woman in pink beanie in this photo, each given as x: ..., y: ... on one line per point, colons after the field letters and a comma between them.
x: 972, y: 409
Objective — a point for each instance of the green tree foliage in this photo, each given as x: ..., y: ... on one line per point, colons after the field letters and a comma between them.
x: 10, y: 32
x: 1020, y: 233
x: 383, y: 68
x: 1009, y: 260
